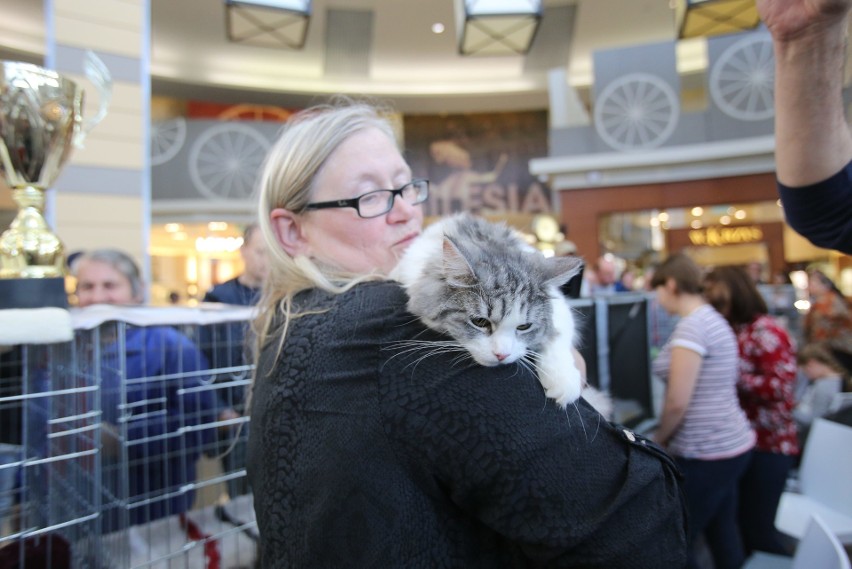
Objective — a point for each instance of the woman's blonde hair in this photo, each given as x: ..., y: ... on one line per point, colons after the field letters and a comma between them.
x: 287, y: 178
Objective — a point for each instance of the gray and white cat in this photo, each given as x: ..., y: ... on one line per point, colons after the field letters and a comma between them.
x: 481, y: 284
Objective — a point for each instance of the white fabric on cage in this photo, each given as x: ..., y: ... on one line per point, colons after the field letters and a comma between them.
x: 205, y: 313
x: 35, y: 326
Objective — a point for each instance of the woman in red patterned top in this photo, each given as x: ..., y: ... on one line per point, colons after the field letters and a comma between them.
x: 766, y: 391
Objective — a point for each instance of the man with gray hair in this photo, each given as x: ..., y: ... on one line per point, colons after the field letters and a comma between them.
x: 153, y: 371
x: 225, y: 346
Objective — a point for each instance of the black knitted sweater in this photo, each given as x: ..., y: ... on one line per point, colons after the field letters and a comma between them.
x: 364, y: 455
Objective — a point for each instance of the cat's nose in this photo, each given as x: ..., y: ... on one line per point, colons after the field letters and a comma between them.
x: 501, y: 357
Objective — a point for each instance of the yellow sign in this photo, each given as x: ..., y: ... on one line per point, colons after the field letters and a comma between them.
x: 720, y: 236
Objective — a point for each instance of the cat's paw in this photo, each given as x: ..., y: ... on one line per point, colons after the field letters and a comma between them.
x: 564, y: 385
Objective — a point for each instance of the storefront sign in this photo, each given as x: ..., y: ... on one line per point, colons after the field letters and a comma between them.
x: 720, y: 236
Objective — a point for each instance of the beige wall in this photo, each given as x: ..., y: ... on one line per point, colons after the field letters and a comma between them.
x: 90, y: 221
x: 83, y: 219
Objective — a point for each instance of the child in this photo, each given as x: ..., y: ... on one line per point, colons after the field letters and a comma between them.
x: 825, y: 380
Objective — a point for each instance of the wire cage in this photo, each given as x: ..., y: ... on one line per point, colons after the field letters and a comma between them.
x: 125, y: 446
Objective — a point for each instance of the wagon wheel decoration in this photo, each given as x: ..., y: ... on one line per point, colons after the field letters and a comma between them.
x: 636, y: 112
x: 225, y: 161
x: 256, y: 113
x: 167, y: 138
x: 742, y: 80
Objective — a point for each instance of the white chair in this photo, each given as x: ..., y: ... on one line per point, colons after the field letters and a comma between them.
x: 825, y: 483
x: 818, y: 549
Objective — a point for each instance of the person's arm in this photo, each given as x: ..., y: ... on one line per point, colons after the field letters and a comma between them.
x: 579, y: 362
x: 192, y: 407
x: 683, y: 377
x: 803, y: 413
x: 813, y: 141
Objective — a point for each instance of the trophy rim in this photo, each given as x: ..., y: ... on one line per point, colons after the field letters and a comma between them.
x: 38, y: 69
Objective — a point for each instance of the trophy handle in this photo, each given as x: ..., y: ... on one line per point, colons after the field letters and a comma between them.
x: 97, y: 72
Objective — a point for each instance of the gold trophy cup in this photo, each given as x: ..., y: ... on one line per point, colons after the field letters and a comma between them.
x: 40, y: 120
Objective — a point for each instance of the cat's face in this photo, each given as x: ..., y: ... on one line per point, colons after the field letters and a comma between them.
x: 488, y: 290
x: 500, y: 330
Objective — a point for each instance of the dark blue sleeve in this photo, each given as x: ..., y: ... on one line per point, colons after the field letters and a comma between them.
x: 190, y: 405
x: 822, y: 212
x: 179, y: 372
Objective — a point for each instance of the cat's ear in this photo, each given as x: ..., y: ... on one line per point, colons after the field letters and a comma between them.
x: 288, y: 230
x: 559, y: 270
x: 457, y: 269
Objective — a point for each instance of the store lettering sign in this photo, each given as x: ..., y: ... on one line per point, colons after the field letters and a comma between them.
x: 720, y: 236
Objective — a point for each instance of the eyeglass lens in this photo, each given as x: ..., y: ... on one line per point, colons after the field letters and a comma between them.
x: 379, y: 202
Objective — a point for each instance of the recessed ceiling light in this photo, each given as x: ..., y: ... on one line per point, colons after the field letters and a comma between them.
x: 438, y: 28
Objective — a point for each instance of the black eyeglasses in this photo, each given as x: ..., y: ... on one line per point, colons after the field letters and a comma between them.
x: 379, y: 202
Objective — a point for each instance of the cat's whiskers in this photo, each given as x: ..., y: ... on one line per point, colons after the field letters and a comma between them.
x: 528, y: 364
x: 409, y: 322
x: 428, y: 348
x: 532, y: 359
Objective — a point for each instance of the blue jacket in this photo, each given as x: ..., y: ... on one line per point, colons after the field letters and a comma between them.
x: 162, y: 411
x: 151, y: 392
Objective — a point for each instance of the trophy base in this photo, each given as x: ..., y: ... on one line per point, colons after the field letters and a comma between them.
x: 33, y: 293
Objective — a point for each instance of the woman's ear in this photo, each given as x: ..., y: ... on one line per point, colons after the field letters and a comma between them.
x: 671, y: 285
x: 287, y: 227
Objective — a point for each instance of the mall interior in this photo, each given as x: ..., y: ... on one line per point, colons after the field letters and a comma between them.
x: 594, y: 127
x: 168, y: 173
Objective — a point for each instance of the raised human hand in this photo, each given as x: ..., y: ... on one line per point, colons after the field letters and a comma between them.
x: 793, y: 19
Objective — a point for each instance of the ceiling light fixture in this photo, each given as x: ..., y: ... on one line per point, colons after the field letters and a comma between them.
x: 438, y: 28
x: 497, y: 27
x: 268, y: 23
x: 702, y: 18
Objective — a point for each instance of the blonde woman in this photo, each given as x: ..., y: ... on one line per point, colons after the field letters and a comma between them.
x: 360, y: 456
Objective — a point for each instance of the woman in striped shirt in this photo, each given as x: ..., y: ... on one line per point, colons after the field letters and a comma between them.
x: 702, y: 424
x: 766, y: 389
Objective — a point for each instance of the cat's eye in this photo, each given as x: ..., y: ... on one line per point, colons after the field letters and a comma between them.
x: 523, y: 327
x: 481, y: 323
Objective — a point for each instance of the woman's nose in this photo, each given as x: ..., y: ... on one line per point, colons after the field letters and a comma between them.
x: 401, y: 210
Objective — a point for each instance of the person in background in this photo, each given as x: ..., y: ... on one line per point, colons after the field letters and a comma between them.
x: 605, y: 278
x: 226, y: 347
x: 829, y: 320
x: 151, y: 373
x: 813, y: 143
x: 244, y: 290
x: 825, y: 380
x: 766, y: 387
x: 701, y: 423
x: 362, y: 454
x: 755, y: 272
x: 661, y: 323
